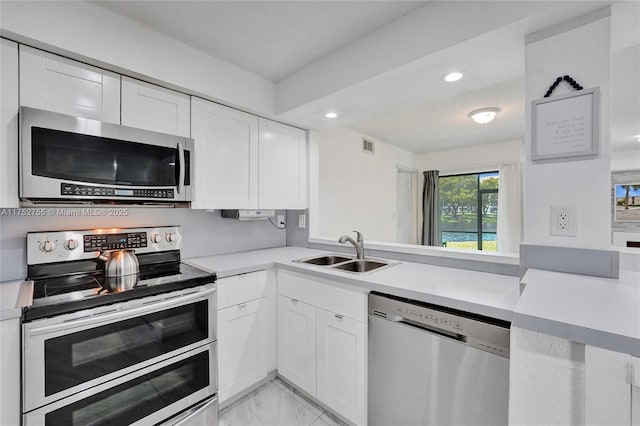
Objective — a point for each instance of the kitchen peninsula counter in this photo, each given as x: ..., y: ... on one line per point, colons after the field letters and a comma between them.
x: 480, y: 293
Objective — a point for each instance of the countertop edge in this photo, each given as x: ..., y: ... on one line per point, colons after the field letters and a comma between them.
x: 580, y: 334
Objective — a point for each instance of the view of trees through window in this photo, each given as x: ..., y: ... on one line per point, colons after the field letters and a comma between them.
x: 469, y: 210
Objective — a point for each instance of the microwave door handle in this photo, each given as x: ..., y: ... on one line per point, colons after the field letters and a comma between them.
x: 181, y: 170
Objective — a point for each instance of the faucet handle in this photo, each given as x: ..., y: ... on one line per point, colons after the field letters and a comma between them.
x: 359, y: 236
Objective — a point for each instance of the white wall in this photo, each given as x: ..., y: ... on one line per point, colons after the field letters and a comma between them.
x: 88, y: 32
x: 584, y: 54
x: 625, y: 160
x: 357, y: 190
x: 471, y: 159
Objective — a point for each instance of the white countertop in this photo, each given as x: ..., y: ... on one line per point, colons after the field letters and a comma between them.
x: 602, y: 312
x: 481, y: 293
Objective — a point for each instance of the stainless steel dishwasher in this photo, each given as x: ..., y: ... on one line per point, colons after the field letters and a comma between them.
x: 430, y: 365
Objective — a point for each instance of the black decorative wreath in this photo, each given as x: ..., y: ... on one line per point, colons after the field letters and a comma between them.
x: 555, y: 84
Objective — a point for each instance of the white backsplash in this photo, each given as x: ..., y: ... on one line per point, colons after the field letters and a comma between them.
x: 204, y: 233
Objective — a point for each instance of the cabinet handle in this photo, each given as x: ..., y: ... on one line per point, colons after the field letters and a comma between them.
x: 294, y: 300
x: 242, y: 305
x: 339, y: 316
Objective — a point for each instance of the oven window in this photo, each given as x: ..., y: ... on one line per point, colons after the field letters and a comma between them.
x: 85, y: 158
x: 136, y: 399
x: 85, y: 355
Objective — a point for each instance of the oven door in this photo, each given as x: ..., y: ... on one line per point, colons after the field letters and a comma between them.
x: 70, y: 353
x: 66, y: 157
x: 145, y: 397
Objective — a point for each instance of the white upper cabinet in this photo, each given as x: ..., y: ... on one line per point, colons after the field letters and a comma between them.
x: 226, y: 157
x: 152, y: 107
x: 61, y: 85
x: 283, y: 166
x: 8, y: 124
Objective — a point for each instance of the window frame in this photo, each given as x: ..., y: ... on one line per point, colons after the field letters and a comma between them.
x: 480, y: 192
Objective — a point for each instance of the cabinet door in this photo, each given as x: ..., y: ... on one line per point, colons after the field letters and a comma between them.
x: 8, y: 124
x: 635, y: 391
x: 342, y: 365
x: 152, y: 107
x: 242, y: 345
x: 226, y: 157
x: 283, y: 166
x: 607, y: 387
x: 61, y: 85
x: 297, y: 343
x: 10, y: 407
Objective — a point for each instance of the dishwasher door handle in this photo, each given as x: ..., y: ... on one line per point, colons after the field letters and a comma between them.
x: 434, y: 330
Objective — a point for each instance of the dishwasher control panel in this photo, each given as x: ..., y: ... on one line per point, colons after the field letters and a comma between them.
x: 482, y: 334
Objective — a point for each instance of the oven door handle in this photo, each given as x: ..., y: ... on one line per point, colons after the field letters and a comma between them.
x: 181, y: 171
x: 124, y: 314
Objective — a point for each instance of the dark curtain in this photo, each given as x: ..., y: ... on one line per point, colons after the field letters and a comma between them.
x: 430, y: 209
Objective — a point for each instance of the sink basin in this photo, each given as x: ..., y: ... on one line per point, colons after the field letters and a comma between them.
x: 327, y: 260
x: 361, y: 266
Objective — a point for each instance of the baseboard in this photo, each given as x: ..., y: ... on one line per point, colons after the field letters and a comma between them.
x: 270, y: 376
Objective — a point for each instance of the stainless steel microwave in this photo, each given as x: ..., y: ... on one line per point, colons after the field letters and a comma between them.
x: 73, y: 159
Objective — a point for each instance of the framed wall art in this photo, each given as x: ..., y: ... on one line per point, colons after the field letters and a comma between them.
x: 565, y: 126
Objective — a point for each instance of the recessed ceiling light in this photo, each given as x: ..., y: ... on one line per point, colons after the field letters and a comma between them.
x: 453, y: 76
x: 331, y: 115
x: 484, y: 115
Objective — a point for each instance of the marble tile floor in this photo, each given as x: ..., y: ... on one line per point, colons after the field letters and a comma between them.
x: 276, y: 404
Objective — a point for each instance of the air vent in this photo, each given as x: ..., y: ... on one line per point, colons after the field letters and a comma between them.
x: 368, y: 146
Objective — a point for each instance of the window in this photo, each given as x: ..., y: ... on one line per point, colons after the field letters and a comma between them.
x: 469, y: 210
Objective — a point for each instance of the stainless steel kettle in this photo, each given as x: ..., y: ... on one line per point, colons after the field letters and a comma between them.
x: 120, y: 270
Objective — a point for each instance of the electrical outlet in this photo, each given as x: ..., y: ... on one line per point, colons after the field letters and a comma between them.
x: 302, y: 221
x: 281, y: 222
x: 563, y: 221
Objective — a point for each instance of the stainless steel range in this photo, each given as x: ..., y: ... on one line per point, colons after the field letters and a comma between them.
x: 119, y: 331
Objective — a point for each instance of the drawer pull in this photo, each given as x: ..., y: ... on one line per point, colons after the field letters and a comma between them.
x: 294, y: 300
x: 242, y: 305
x: 339, y: 316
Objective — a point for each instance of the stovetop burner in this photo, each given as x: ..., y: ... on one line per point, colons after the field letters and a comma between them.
x: 67, y: 285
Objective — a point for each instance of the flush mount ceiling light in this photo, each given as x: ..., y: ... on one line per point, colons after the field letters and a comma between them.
x: 453, y: 76
x: 484, y: 115
x: 331, y: 115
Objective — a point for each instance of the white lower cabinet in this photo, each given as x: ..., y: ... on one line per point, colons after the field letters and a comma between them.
x: 297, y: 343
x: 341, y: 366
x: 246, y: 332
x: 242, y: 346
x: 612, y: 388
x: 322, y: 345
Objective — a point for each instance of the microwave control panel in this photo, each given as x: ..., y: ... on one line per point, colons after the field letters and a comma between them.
x: 100, y: 191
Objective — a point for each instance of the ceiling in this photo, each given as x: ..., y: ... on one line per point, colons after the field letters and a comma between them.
x: 269, y: 38
x: 408, y: 105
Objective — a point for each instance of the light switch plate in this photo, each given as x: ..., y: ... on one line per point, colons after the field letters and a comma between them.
x: 563, y: 221
x: 302, y: 221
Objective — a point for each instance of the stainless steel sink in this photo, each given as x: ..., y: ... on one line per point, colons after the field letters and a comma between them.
x: 346, y: 263
x: 360, y: 266
x: 326, y: 260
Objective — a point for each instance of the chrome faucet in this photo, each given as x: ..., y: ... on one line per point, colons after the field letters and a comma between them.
x: 359, y: 244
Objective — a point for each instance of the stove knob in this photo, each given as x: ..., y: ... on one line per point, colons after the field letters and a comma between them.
x: 71, y: 244
x: 155, y: 238
x: 170, y: 236
x: 47, y: 246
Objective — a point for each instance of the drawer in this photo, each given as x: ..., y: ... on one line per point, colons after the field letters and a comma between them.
x: 328, y: 295
x: 242, y: 288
